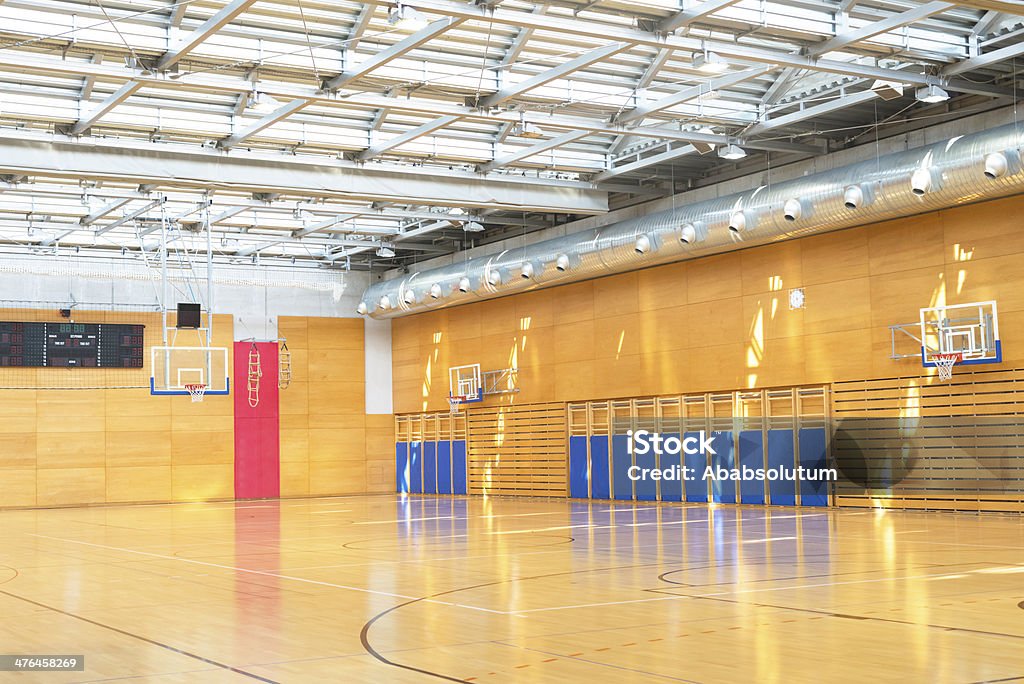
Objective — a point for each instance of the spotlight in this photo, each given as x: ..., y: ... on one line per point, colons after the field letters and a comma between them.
x: 562, y: 262
x: 494, y: 278
x: 709, y: 62
x: 732, y: 152
x: 406, y: 18
x: 435, y: 291
x: 384, y: 303
x: 385, y: 252
x: 409, y: 297
x: 464, y: 284
x: 362, y: 309
x: 527, y: 270
x: 642, y: 245
x: 930, y: 94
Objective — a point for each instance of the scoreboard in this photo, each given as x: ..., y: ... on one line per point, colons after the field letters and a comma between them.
x: 71, y: 345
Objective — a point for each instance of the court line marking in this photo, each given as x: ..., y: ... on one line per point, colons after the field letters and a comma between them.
x: 262, y: 572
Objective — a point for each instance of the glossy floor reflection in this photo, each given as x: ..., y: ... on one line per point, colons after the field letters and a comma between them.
x: 391, y: 589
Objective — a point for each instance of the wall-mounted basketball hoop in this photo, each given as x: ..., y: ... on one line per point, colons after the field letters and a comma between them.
x: 469, y: 385
x: 945, y: 336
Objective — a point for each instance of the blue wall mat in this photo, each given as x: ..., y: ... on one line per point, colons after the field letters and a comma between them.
x: 671, y: 490
x: 415, y: 467
x: 696, y: 486
x: 459, y: 466
x: 646, y: 490
x: 402, y: 467
x: 621, y: 461
x: 751, y: 449
x: 444, y: 467
x: 781, y: 454
x: 600, y: 482
x: 430, y: 467
x: 578, y: 486
x: 812, y: 455
x: 723, y: 491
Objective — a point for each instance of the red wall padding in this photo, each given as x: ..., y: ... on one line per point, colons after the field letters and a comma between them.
x: 257, y: 438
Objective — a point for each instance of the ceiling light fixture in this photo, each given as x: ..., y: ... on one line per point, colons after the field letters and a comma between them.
x: 732, y: 152
x: 406, y: 18
x: 709, y: 62
x: 931, y: 94
x: 385, y: 252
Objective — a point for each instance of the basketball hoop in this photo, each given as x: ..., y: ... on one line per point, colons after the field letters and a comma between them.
x: 197, y: 391
x: 454, y: 402
x: 945, y: 362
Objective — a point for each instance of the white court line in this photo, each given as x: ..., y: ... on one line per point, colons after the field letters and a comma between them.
x: 767, y: 539
x: 266, y: 574
x: 404, y: 520
x: 344, y: 510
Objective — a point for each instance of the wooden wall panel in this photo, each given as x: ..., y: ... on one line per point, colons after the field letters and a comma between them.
x: 517, y: 450
x: 91, y: 446
x: 328, y: 443
x: 726, y: 318
x: 963, y: 439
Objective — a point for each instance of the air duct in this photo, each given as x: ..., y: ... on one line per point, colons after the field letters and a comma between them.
x: 951, y: 172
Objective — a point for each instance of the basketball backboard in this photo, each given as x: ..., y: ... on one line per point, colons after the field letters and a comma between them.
x: 970, y: 331
x: 172, y: 368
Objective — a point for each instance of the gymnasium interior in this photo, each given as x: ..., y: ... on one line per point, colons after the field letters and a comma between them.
x: 511, y: 341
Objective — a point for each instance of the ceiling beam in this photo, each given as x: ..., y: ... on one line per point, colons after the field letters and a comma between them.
x: 841, y: 102
x: 103, y: 211
x: 226, y: 214
x: 359, y: 28
x: 279, y: 114
x: 895, y: 21
x: 984, y: 60
x: 114, y: 99
x: 656, y: 65
x: 128, y: 217
x: 530, y: 150
x: 393, y: 52
x: 552, y: 74
x: 322, y: 225
x: 225, y: 16
x: 176, y: 167
x: 692, y: 14
x: 737, y: 50
x: 521, y: 39
x: 418, y: 132
x: 780, y: 87
x: 692, y: 93
x: 668, y: 155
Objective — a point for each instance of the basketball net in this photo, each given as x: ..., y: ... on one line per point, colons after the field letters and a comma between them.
x: 945, y: 363
x: 196, y: 391
x: 454, y: 403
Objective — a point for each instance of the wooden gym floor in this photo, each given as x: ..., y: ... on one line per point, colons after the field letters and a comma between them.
x: 385, y: 589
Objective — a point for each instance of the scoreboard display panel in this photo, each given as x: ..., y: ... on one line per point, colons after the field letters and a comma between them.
x: 71, y: 345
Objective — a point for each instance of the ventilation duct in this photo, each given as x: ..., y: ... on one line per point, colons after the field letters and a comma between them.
x: 951, y: 172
